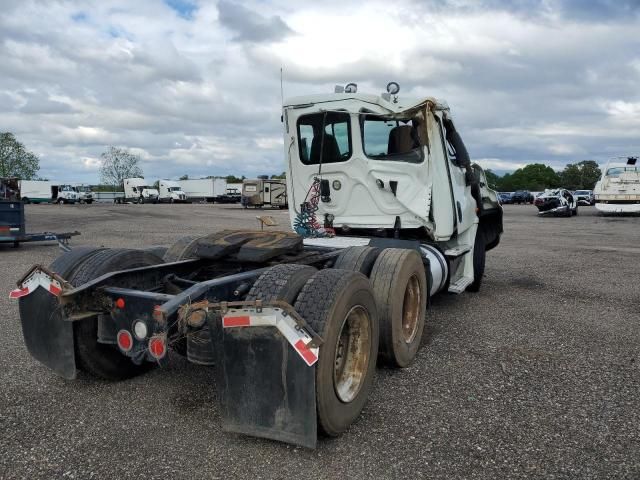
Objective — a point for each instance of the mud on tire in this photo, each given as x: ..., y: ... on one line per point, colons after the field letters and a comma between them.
x: 358, y: 259
x: 339, y: 306
x: 399, y: 284
x: 182, y: 249
x: 282, y: 282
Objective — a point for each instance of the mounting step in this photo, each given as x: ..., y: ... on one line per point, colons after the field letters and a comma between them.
x: 460, y: 285
x: 457, y: 251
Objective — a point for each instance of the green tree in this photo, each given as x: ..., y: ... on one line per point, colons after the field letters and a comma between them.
x: 493, y: 180
x: 15, y: 159
x: 581, y: 176
x: 234, y: 179
x: 118, y: 164
x: 282, y: 176
x: 535, y: 176
x: 184, y: 177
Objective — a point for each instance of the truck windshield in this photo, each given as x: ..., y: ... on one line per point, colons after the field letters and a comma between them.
x: 324, y: 137
x: 390, y: 138
x: 617, y: 171
x: 174, y: 189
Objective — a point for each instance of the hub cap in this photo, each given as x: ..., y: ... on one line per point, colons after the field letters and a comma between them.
x: 352, y: 354
x: 411, y: 309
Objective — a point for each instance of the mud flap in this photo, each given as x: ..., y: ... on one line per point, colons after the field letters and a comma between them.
x: 264, y: 388
x: 47, y: 335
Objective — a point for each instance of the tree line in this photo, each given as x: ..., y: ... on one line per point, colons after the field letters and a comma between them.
x: 119, y: 163
x: 537, y: 176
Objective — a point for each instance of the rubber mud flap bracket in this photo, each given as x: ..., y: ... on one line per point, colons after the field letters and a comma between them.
x: 264, y: 388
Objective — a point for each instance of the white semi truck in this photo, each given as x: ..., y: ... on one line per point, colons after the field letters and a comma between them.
x: 171, y: 192
x: 203, y: 189
x: 85, y: 193
x: 137, y: 190
x: 387, y: 210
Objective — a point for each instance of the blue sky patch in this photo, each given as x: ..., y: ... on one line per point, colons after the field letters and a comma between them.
x: 183, y: 8
x: 79, y: 17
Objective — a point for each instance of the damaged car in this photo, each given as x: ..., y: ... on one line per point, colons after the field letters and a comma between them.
x: 556, y: 202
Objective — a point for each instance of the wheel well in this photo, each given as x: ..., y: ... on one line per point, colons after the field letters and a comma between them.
x: 490, y: 227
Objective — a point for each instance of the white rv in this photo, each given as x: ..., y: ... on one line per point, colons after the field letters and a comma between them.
x: 203, y: 189
x: 264, y: 192
x: 171, y: 192
x: 137, y: 190
x: 45, y: 191
x: 618, y: 191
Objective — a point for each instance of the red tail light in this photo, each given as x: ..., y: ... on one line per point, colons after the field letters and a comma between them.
x: 157, y: 348
x: 125, y: 340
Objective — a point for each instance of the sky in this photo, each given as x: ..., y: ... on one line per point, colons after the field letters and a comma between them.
x: 193, y: 86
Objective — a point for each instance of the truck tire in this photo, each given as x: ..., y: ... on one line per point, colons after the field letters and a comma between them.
x: 158, y: 251
x: 103, y: 360
x: 183, y: 249
x: 357, y: 259
x: 479, y: 258
x: 340, y: 307
x: 26, y: 200
x: 282, y: 282
x: 399, y: 284
x: 69, y: 261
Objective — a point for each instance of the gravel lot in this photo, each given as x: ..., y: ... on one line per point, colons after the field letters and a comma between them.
x: 536, y: 376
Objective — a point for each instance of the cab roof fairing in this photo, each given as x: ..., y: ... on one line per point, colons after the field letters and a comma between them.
x: 354, y: 104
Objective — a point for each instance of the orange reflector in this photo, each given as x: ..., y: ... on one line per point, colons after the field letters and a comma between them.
x: 120, y: 303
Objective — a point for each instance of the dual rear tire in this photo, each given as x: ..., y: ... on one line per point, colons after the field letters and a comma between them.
x: 340, y: 307
x: 400, y: 288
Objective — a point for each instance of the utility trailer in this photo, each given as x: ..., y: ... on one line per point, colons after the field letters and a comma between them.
x: 13, y: 230
x: 385, y: 214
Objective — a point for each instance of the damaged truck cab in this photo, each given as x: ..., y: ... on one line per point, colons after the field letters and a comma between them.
x: 387, y: 210
x: 391, y: 168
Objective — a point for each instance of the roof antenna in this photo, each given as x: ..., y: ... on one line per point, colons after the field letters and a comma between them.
x: 281, y: 88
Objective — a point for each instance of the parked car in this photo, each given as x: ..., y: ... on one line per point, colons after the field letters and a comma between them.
x: 504, y: 198
x: 585, y: 197
x: 557, y: 202
x: 522, y: 196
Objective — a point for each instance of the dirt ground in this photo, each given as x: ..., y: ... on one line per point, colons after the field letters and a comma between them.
x: 536, y: 376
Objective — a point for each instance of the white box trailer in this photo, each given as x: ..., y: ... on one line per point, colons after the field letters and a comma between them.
x: 203, y: 189
x: 171, y: 192
x: 35, y: 191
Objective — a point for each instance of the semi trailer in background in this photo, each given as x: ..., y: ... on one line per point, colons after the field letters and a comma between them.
x: 203, y: 189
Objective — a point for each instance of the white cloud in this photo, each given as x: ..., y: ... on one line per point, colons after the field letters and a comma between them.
x: 197, y: 91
